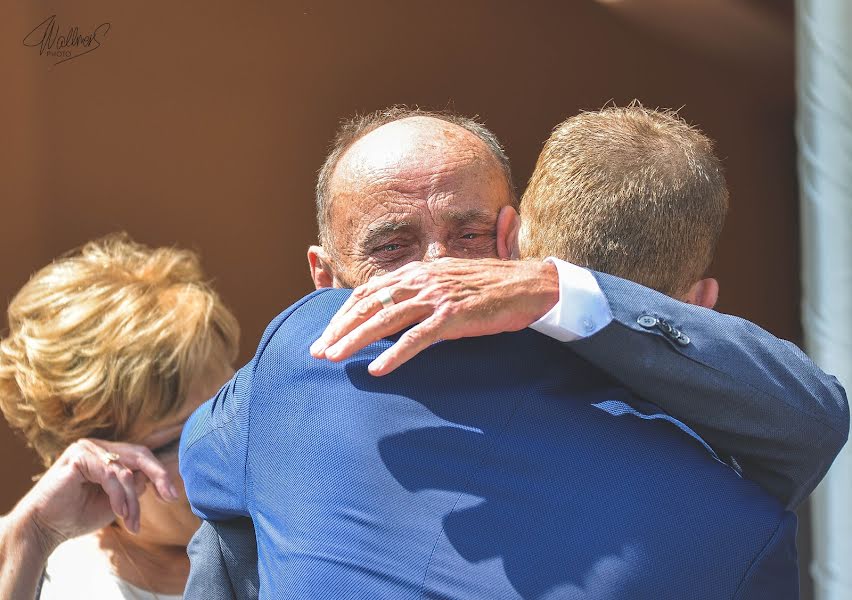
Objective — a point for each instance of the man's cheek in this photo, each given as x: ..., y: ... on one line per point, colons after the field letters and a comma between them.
x: 483, y: 247
x: 360, y: 271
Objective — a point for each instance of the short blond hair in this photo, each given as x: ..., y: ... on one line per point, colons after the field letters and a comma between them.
x: 631, y: 191
x: 109, y: 335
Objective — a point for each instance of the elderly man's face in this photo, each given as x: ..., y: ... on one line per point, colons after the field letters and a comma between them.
x: 415, y: 189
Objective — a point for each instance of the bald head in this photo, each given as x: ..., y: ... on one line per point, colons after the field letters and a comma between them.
x: 411, y: 155
x: 417, y: 187
x: 360, y: 126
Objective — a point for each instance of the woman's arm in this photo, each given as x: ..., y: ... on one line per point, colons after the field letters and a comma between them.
x: 90, y: 484
x: 23, y: 552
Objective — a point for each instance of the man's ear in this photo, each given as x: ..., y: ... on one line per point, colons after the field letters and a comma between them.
x: 704, y: 292
x: 320, y: 267
x: 508, y: 224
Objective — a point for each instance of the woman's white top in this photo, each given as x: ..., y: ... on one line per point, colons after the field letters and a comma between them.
x: 78, y: 569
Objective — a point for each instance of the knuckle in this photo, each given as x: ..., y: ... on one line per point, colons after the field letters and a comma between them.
x: 78, y: 451
x: 76, y: 448
x: 84, y: 444
x: 384, y: 316
x: 414, y: 335
x: 384, y: 319
x: 145, y: 452
x: 363, y: 310
x: 446, y: 311
x: 420, y: 278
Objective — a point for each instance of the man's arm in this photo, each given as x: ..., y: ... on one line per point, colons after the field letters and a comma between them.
x: 774, y: 573
x: 214, y: 442
x: 749, y: 394
x: 223, y: 559
x: 213, y: 449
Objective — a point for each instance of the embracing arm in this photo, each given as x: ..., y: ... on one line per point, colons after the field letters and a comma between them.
x: 750, y: 395
x: 213, y: 449
x: 214, y: 443
x: 212, y: 464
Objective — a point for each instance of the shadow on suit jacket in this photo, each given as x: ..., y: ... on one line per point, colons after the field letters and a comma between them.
x: 486, y: 468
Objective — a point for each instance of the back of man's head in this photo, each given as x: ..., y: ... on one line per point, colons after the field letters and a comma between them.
x: 633, y: 192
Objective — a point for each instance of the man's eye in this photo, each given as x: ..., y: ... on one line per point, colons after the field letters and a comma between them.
x: 389, y: 247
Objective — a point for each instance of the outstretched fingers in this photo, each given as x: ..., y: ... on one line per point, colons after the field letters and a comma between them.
x: 380, y: 324
x: 411, y: 343
x: 344, y: 323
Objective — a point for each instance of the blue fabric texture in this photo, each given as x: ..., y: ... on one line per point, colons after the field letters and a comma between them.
x: 758, y: 401
x: 223, y: 556
x: 618, y: 408
x: 482, y: 469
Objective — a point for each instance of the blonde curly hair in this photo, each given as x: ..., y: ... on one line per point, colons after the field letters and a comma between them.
x: 106, y: 336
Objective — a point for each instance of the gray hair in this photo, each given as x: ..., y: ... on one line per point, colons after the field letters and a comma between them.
x: 353, y: 129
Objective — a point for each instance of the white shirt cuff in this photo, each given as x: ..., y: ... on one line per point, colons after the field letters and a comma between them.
x: 582, y: 309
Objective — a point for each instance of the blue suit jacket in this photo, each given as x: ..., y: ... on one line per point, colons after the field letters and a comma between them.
x: 501, y: 467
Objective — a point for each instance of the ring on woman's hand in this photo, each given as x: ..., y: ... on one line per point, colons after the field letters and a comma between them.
x: 110, y: 457
x: 385, y: 297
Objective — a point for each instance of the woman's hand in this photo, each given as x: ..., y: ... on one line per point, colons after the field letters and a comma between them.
x: 91, y: 483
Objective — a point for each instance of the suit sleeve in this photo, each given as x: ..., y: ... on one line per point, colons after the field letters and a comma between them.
x: 215, y: 439
x: 223, y: 562
x: 208, y: 574
x: 753, y: 397
x: 213, y: 451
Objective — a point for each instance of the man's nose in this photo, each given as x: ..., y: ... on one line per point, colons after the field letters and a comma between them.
x: 434, y: 251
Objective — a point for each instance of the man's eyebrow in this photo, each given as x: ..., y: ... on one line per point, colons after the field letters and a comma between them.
x: 380, y: 231
x: 470, y: 215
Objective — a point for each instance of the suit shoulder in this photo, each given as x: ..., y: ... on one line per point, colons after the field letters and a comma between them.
x: 309, y: 309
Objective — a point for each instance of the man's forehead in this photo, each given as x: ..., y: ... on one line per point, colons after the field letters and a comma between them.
x: 413, y: 149
x: 450, y: 215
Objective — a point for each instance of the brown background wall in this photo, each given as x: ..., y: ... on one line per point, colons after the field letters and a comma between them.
x: 203, y: 124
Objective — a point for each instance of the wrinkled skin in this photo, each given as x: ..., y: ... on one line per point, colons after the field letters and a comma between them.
x: 423, y: 191
x: 418, y: 189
